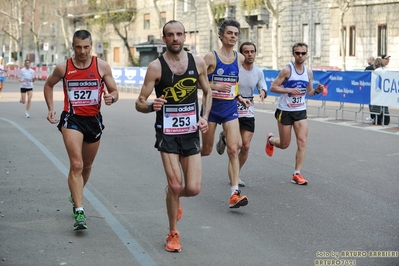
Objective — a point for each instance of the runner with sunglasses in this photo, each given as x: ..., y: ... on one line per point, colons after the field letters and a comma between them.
x: 293, y: 83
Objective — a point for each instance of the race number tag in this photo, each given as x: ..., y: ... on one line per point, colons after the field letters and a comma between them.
x: 83, y: 92
x: 244, y: 111
x: 179, y: 119
x: 295, y: 101
x: 231, y: 80
x: 28, y: 83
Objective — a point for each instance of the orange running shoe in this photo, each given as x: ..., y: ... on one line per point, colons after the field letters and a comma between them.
x: 236, y: 200
x: 298, y: 179
x: 172, y: 243
x: 269, y: 148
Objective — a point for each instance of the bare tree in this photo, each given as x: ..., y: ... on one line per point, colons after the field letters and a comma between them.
x: 213, y: 24
x: 343, y: 6
x: 62, y: 14
x: 36, y: 30
x: 155, y: 3
x: 14, y: 11
x: 120, y: 21
x: 274, y: 8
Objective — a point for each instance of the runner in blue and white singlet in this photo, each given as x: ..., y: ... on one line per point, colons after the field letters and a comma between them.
x: 289, y: 102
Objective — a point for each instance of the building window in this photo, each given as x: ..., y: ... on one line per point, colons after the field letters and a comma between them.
x: 259, y: 41
x: 317, y: 39
x: 116, y: 54
x: 53, y: 28
x: 352, y: 41
x: 382, y: 40
x: 146, y: 21
x: 244, y: 36
x: 343, y: 35
x: 305, y: 33
x: 163, y: 18
x: 185, y: 6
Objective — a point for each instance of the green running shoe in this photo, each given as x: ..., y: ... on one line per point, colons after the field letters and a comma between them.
x: 80, y: 221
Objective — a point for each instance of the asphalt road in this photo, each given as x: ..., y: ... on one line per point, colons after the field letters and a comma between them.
x: 348, y: 210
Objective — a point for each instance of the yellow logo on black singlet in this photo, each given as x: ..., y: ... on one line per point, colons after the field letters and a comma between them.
x: 181, y: 90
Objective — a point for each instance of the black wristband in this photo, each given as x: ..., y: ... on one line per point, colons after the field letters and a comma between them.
x: 316, y: 92
x: 151, y: 107
x: 113, y: 99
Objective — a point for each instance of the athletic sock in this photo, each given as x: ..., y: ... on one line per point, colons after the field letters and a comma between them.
x: 233, y: 189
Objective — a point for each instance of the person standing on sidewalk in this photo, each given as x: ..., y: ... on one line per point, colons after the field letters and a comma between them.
x: 250, y: 77
x: 81, y: 123
x: 175, y: 76
x: 293, y: 83
x: 26, y: 77
x: 3, y: 70
x: 223, y: 67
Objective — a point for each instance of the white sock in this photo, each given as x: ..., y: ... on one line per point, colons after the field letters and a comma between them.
x: 297, y: 172
x: 79, y: 209
x: 270, y: 140
x: 233, y: 189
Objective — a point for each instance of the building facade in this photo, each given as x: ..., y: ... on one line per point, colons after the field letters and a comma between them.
x: 368, y: 28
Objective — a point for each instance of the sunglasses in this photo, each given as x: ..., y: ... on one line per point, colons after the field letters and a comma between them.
x: 300, y: 53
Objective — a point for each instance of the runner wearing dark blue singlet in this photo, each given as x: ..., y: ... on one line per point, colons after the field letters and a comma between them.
x: 223, y: 66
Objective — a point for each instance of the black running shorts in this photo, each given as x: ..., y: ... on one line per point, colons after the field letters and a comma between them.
x: 289, y: 117
x: 90, y: 126
x: 247, y: 123
x: 185, y: 146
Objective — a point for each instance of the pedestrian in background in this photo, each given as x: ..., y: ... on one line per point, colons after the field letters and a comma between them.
x: 3, y: 70
x: 26, y: 77
x: 370, y: 63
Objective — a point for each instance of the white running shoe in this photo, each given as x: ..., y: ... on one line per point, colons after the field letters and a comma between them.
x: 27, y: 114
x: 241, y: 183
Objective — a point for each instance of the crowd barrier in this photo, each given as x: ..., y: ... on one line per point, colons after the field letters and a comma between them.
x: 354, y: 87
x: 342, y: 87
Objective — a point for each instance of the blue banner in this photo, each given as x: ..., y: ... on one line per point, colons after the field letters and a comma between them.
x: 339, y: 86
x: 129, y: 75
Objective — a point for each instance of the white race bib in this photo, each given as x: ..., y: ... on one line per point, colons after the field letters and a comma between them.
x: 179, y: 119
x: 83, y: 93
x: 244, y: 111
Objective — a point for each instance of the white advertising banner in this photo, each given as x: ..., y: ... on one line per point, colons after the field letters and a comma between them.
x: 385, y: 88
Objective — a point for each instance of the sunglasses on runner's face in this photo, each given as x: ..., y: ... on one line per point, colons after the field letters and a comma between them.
x: 300, y: 53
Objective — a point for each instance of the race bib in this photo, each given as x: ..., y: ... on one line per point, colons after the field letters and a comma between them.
x: 246, y: 111
x: 83, y: 92
x: 27, y: 83
x: 231, y: 80
x: 179, y: 119
x: 295, y: 101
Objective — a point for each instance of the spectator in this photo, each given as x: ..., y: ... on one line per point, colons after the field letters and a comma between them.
x: 370, y: 62
x: 385, y: 59
x: 379, y: 66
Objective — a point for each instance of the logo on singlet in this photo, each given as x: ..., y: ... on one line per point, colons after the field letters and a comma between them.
x: 181, y: 90
x: 82, y: 83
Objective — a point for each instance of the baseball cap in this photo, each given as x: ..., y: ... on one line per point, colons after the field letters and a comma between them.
x: 384, y: 56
